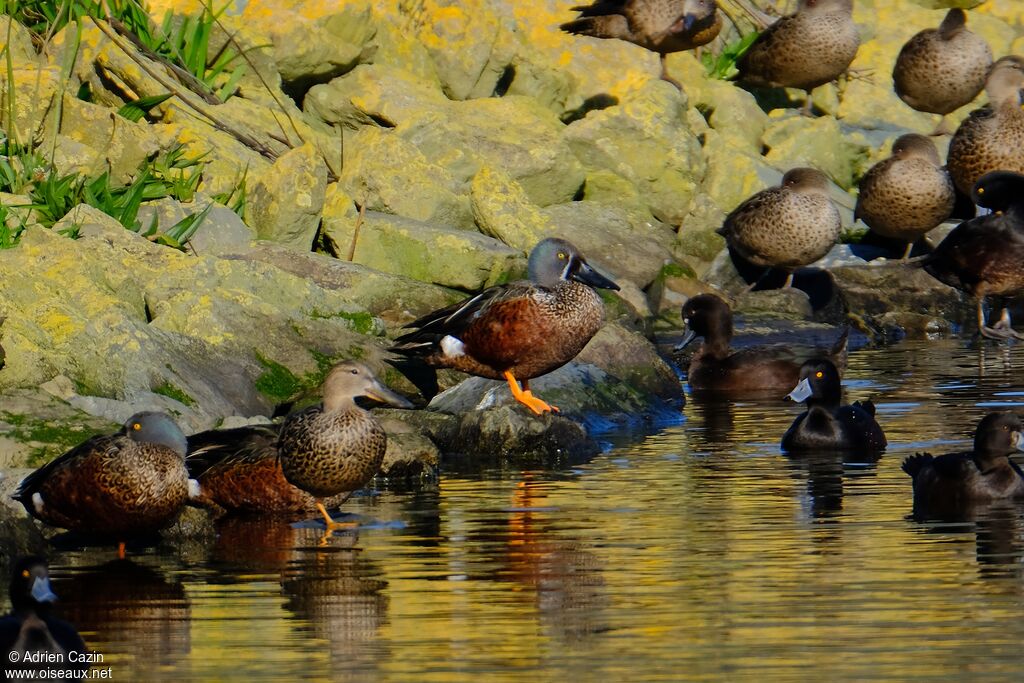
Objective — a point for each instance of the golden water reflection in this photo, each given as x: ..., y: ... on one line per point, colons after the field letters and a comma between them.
x: 699, y: 552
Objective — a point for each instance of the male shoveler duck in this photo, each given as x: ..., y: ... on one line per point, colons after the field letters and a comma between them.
x: 828, y: 425
x: 520, y: 330
x: 661, y: 26
x: 982, y: 474
x: 30, y: 628
x: 336, y: 447
x: 239, y: 470
x: 985, y: 255
x: 752, y: 371
x: 116, y: 485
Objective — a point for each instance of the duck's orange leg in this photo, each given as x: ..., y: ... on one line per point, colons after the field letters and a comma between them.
x: 524, y: 396
x: 332, y: 526
x: 120, y: 550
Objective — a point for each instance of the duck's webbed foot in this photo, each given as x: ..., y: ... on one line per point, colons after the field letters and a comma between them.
x: 1001, y: 330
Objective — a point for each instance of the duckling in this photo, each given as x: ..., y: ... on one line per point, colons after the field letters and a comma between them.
x: 516, y: 331
x: 992, y: 137
x: 662, y: 26
x: 752, y: 371
x: 982, y: 474
x: 985, y: 255
x: 788, y: 226
x: 117, y: 485
x: 336, y: 447
x: 803, y: 50
x: 30, y: 627
x: 908, y: 194
x: 239, y: 470
x: 941, y: 69
x: 828, y: 425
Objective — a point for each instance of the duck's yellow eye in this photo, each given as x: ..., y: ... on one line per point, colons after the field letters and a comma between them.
x: 819, y: 374
x: 136, y: 426
x: 981, y: 190
x: 26, y: 573
x: 561, y: 256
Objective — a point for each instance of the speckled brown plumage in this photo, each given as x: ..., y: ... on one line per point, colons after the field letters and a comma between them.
x: 112, y: 485
x: 941, y: 69
x: 336, y: 447
x: 992, y: 137
x: 788, y: 226
x: 238, y: 470
x: 803, y: 50
x: 658, y: 25
x: 908, y: 194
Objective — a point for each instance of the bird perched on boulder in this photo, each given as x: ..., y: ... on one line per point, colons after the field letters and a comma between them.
x: 992, y: 137
x: 808, y: 48
x: 785, y: 227
x: 941, y: 69
x: 661, y: 26
x: 118, y: 485
x: 908, y: 194
x: 516, y: 331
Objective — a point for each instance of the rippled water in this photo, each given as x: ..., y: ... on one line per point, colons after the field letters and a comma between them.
x: 698, y: 552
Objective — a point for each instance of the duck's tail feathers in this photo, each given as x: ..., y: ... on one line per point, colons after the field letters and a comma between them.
x: 867, y: 406
x: 916, y: 462
x: 423, y: 376
x: 604, y: 26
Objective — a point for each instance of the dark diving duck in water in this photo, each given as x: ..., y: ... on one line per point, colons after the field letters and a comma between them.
x: 30, y: 628
x: 515, y: 331
x: 828, y: 425
x: 985, y: 255
x: 982, y: 474
x: 752, y: 371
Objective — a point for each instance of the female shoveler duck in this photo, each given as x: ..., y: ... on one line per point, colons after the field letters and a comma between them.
x: 985, y: 255
x: 519, y: 330
x: 335, y: 447
x: 827, y: 425
x: 984, y: 473
x: 30, y: 628
x: 116, y: 485
x: 756, y: 370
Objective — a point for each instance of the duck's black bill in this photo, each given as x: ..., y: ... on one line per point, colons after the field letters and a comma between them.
x: 589, y: 276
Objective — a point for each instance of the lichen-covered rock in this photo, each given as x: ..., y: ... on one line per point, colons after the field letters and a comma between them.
x: 647, y: 141
x: 220, y: 230
x: 430, y: 253
x: 503, y: 211
x: 817, y: 142
x: 284, y: 204
x: 32, y: 99
x: 314, y: 48
x: 116, y: 144
x: 385, y: 172
x: 515, y: 134
x: 373, y: 94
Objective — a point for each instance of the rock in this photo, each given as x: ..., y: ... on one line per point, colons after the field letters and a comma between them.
x: 117, y: 145
x: 18, y: 40
x: 229, y: 165
x: 503, y: 211
x: 409, y: 454
x: 789, y: 303
x: 697, y: 242
x: 452, y: 258
x: 881, y: 294
x: 670, y: 290
x: 385, y: 172
x: 797, y: 140
x: 36, y: 427
x: 284, y: 203
x: 515, y: 134
x: 221, y: 230
x: 374, y: 95
x: 647, y: 141
x: 35, y: 91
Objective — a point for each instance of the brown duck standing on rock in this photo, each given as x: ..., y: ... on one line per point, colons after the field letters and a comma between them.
x: 992, y: 137
x: 908, y: 194
x: 985, y: 255
x: 661, y: 26
x: 516, y: 331
x: 336, y: 447
x: 785, y: 227
x: 941, y: 69
x: 811, y: 47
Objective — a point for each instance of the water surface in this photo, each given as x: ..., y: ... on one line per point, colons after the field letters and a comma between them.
x: 697, y: 552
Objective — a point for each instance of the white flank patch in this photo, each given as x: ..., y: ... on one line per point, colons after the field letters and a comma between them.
x: 452, y: 347
x: 194, y: 490
x: 37, y: 502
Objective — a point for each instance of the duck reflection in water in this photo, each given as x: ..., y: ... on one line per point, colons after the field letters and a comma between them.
x: 562, y: 577
x: 136, y: 610
x: 340, y: 594
x: 826, y: 474
x: 998, y: 528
